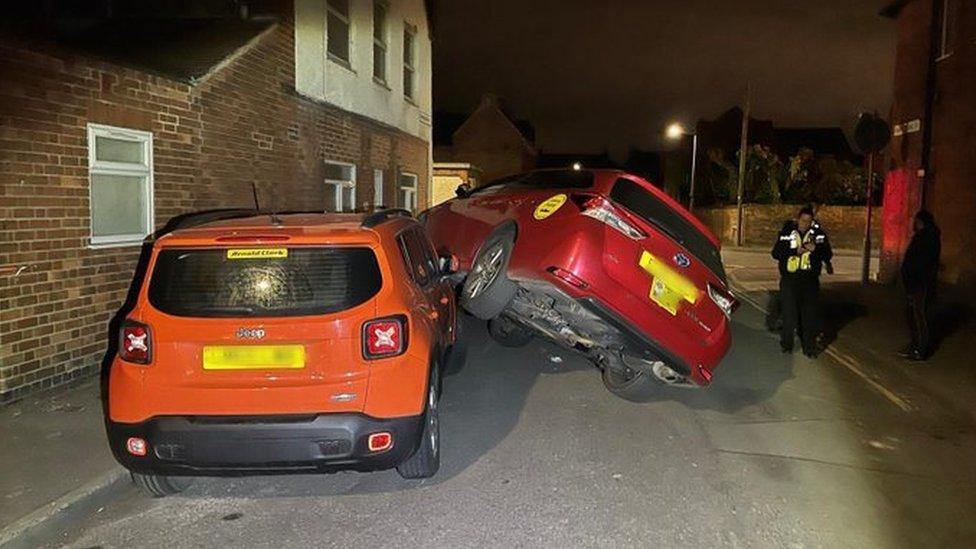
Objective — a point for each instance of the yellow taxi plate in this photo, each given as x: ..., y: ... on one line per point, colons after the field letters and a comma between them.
x: 257, y: 253
x: 668, y: 288
x: 253, y: 357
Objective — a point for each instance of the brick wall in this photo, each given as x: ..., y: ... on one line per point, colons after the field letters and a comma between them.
x: 762, y: 222
x: 241, y: 124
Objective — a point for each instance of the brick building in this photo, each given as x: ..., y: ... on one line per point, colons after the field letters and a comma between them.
x: 489, y: 139
x: 934, y: 123
x: 110, y: 126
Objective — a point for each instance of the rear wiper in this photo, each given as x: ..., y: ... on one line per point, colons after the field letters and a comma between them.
x: 238, y: 310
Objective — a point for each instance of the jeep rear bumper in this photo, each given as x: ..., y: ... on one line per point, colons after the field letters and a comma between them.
x: 231, y: 446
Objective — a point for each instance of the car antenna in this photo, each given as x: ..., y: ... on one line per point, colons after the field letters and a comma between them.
x: 274, y: 216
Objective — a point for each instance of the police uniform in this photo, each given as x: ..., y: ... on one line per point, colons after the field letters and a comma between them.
x: 799, y: 285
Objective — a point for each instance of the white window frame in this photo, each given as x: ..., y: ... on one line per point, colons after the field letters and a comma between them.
x: 410, y: 91
x: 408, y: 193
x: 341, y: 184
x: 382, y: 43
x: 378, y: 188
x: 347, y: 19
x: 106, y: 167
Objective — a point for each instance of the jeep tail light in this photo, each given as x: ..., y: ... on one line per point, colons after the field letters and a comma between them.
x: 136, y: 446
x: 602, y: 210
x: 385, y: 337
x: 380, y: 442
x: 135, y: 342
x: 723, y: 299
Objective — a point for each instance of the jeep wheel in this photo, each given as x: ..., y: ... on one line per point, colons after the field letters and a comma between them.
x: 159, y: 485
x: 425, y: 462
x: 509, y: 333
x: 487, y: 289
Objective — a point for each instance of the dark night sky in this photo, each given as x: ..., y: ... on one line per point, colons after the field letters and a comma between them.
x: 592, y: 74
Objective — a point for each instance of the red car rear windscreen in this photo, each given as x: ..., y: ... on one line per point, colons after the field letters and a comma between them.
x: 648, y: 207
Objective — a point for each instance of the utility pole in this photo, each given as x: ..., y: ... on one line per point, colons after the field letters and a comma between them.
x: 743, y: 151
x: 866, y: 255
x: 694, y: 160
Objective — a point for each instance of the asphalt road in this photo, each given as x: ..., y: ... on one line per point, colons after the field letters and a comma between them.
x: 781, y: 451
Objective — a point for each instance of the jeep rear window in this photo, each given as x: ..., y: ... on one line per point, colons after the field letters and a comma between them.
x: 656, y: 212
x: 270, y: 282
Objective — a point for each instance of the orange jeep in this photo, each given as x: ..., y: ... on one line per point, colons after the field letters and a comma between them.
x: 288, y: 343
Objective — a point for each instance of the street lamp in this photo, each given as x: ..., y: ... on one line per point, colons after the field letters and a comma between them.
x: 676, y: 131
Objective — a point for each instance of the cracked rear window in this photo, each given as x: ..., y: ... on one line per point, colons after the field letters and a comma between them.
x: 246, y: 282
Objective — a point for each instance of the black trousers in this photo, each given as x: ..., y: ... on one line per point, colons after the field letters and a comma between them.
x: 800, y: 306
x: 919, y: 302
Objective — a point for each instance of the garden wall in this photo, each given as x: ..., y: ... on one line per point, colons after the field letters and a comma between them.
x: 762, y: 222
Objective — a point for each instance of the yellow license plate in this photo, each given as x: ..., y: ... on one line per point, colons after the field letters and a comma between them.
x: 253, y: 357
x: 664, y: 296
x: 668, y: 287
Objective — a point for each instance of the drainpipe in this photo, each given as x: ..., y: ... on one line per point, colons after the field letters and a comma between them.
x: 930, y: 91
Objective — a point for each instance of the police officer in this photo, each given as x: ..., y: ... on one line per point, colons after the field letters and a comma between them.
x: 801, y: 250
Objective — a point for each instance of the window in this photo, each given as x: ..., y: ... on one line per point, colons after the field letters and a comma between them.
x: 303, y: 281
x: 342, y: 176
x: 409, y: 60
x: 667, y: 220
x: 120, y: 185
x: 418, y: 255
x: 948, y: 29
x: 379, y: 42
x: 337, y: 30
x: 568, y: 179
x: 378, y: 199
x: 408, y: 191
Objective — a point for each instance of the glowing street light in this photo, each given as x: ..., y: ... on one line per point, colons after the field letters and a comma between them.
x: 674, y: 132
x: 577, y: 166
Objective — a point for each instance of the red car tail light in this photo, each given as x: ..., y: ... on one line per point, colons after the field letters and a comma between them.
x: 723, y: 298
x: 602, y: 210
x: 385, y: 337
x: 135, y: 342
x: 568, y: 277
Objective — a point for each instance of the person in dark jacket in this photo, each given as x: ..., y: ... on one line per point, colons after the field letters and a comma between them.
x: 919, y: 271
x: 801, y: 250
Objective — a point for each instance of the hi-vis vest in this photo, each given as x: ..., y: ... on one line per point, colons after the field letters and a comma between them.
x: 800, y: 262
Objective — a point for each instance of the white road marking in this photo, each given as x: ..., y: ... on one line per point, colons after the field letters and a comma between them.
x: 848, y: 362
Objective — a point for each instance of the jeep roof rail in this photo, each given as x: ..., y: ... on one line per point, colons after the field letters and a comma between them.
x: 194, y: 219
x: 381, y: 216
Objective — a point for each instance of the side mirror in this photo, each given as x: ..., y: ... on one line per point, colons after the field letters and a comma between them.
x: 463, y: 190
x: 449, y: 264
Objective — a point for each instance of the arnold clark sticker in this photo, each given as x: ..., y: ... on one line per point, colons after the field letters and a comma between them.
x: 257, y: 253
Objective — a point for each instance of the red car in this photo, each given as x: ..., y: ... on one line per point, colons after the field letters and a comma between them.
x: 600, y: 261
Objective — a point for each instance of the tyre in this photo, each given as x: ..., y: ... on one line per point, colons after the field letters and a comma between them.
x: 159, y: 485
x: 487, y: 289
x: 509, y: 333
x: 426, y: 460
x: 637, y: 384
